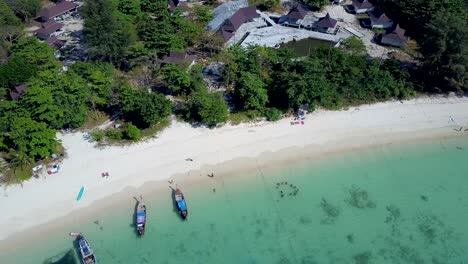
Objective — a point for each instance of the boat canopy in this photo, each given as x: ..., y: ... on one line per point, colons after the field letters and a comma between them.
x: 141, y: 217
x: 181, y: 204
x: 84, y: 247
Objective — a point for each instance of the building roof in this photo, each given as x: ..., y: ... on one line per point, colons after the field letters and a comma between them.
x: 178, y: 58
x: 53, y: 41
x: 227, y: 35
x: 223, y: 12
x: 326, y: 22
x: 48, y: 23
x: 60, y: 8
x: 49, y: 30
x: 396, y: 33
x: 377, y: 16
x: 240, y: 17
x: 361, y: 4
x: 18, y: 91
x: 173, y: 3
x: 298, y: 12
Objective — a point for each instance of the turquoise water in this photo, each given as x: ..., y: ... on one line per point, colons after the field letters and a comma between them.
x: 392, y: 204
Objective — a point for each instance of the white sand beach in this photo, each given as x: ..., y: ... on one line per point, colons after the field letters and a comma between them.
x: 39, y: 201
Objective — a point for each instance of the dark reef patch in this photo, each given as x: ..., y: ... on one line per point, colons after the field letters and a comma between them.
x: 363, y: 258
x: 359, y: 198
x: 331, y: 212
x: 305, y: 220
x: 394, y: 213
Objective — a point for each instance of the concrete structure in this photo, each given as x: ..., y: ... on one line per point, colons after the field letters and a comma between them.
x: 277, y: 35
x: 362, y: 6
x: 379, y: 19
x: 394, y: 37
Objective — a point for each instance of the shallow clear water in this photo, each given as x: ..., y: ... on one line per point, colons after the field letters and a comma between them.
x: 393, y: 204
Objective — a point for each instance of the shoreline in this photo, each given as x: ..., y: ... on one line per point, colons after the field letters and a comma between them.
x: 243, y: 168
x: 229, y: 148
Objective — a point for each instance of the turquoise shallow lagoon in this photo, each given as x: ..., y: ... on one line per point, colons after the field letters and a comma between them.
x: 390, y: 204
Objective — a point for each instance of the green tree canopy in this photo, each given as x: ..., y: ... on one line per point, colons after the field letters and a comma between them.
x: 99, y: 78
x: 29, y: 57
x: 156, y: 7
x: 24, y: 136
x: 250, y: 92
x: 108, y: 34
x: 129, y: 7
x: 176, y: 79
x: 10, y: 24
x: 208, y: 108
x: 143, y: 108
x: 440, y: 28
x: 159, y: 33
x: 203, y: 14
x: 316, y: 3
x: 32, y: 138
x: 26, y: 9
x: 58, y: 100
x: 354, y: 46
x: 265, y: 4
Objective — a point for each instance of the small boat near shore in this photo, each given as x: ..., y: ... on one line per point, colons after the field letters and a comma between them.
x: 87, y: 254
x: 141, y: 217
x: 180, y: 203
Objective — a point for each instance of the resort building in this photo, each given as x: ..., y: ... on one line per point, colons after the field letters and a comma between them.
x: 232, y: 25
x: 294, y: 17
x: 378, y: 19
x: 61, y: 8
x: 362, y: 6
x: 326, y: 24
x: 47, y: 29
x: 394, y: 37
x: 224, y: 12
x: 18, y: 92
x: 54, y: 42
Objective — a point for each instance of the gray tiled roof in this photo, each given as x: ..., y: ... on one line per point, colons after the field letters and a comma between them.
x: 377, y: 16
x: 225, y: 11
x: 60, y: 8
x: 326, y: 22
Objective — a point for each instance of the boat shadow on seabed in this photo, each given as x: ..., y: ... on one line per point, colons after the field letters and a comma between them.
x: 68, y: 258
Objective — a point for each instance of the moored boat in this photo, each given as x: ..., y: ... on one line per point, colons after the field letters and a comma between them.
x: 141, y: 217
x: 87, y: 254
x: 180, y: 202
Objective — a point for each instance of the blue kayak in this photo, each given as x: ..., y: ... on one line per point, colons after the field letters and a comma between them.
x: 80, y: 194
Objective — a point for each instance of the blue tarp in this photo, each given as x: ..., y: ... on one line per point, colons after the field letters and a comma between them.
x: 182, y: 205
x: 141, y: 217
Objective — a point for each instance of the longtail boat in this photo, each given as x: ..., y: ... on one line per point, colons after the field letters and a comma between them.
x: 87, y: 254
x: 180, y: 202
x: 141, y: 218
